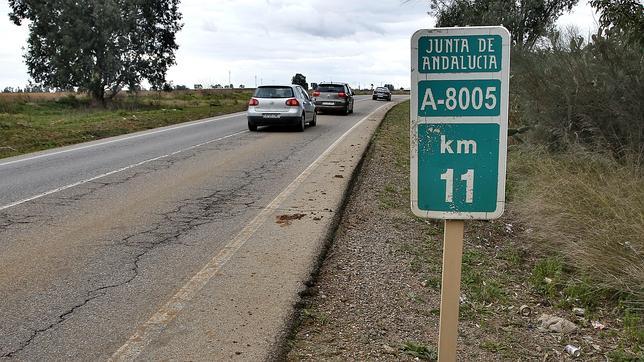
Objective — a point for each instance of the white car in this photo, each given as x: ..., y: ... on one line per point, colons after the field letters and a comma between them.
x: 284, y: 105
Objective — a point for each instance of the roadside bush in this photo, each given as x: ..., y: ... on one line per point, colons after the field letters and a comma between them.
x: 574, y: 92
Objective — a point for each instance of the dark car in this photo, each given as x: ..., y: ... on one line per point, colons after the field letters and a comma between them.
x: 381, y: 93
x: 333, y: 96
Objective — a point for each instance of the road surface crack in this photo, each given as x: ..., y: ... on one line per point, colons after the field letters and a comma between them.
x: 184, y: 217
x: 8, y: 221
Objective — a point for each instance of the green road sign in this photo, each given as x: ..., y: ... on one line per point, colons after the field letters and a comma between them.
x: 459, y: 54
x: 454, y: 160
x: 466, y: 97
x: 459, y: 115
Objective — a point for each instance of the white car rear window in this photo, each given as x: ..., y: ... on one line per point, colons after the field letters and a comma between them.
x: 274, y: 92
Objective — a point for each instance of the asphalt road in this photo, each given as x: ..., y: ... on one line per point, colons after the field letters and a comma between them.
x: 94, y: 238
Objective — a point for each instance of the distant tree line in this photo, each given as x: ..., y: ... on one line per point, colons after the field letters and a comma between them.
x: 34, y: 88
x: 166, y: 87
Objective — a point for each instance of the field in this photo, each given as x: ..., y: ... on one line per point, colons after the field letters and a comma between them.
x: 37, y: 121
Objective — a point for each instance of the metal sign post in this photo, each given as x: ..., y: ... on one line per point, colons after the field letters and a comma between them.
x: 458, y: 130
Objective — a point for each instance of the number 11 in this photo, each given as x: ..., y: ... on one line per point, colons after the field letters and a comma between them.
x: 468, y: 177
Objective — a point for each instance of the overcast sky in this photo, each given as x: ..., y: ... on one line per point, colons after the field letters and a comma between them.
x: 360, y: 41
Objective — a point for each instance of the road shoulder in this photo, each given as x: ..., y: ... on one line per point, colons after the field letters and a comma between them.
x: 245, y: 310
x: 377, y: 294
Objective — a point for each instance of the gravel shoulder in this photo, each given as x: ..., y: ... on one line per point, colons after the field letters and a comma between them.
x: 377, y: 293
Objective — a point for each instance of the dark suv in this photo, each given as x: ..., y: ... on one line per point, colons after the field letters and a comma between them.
x: 381, y: 93
x: 333, y: 96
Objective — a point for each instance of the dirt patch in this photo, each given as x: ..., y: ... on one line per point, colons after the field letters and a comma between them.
x: 377, y: 294
x: 285, y: 220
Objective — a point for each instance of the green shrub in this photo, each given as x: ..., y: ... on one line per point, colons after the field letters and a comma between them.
x: 576, y: 92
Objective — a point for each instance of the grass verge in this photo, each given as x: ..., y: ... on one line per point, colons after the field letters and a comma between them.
x: 380, y: 286
x: 588, y: 210
x: 33, y: 122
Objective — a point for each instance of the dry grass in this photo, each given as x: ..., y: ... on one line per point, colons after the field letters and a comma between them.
x: 37, y: 121
x: 40, y: 97
x: 588, y: 208
x: 32, y: 97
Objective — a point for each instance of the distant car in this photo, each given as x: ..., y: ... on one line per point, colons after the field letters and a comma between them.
x: 381, y: 93
x: 333, y: 96
x: 284, y: 105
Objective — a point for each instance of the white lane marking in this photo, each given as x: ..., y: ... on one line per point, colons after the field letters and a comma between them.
x: 4, y: 207
x: 232, y: 115
x: 153, y: 327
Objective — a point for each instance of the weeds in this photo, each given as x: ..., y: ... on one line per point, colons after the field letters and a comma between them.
x: 433, y: 282
x: 546, y: 276
x: 587, y: 208
x: 480, y: 288
x: 620, y: 355
x: 515, y: 257
x: 389, y: 198
x: 415, y: 298
x: 634, y: 328
x: 419, y: 350
x: 311, y: 314
x: 493, y: 346
x: 582, y: 293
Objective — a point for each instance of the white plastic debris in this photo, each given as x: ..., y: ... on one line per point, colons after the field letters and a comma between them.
x: 552, y: 323
x: 579, y: 311
x: 597, y: 325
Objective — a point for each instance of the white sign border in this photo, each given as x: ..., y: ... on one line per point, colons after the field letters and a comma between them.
x: 502, y: 119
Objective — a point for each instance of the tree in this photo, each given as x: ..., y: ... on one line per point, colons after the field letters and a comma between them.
x: 527, y: 20
x: 100, y: 46
x: 166, y: 87
x: 299, y: 79
x: 621, y: 18
x: 34, y: 88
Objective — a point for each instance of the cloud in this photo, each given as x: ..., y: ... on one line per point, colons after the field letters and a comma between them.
x: 359, y: 41
x: 13, y: 71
